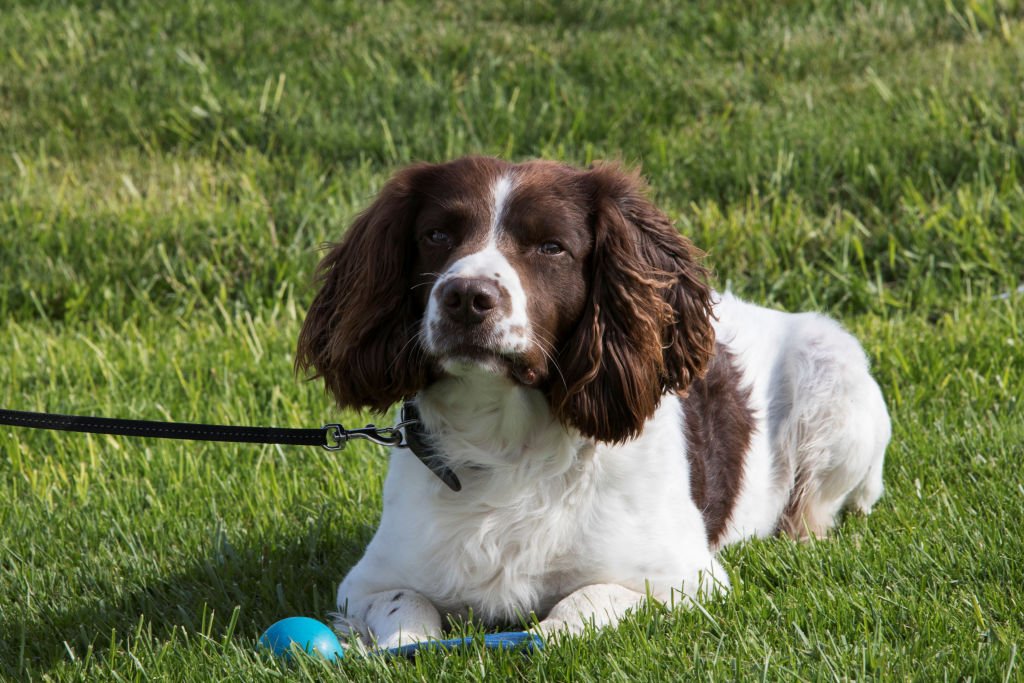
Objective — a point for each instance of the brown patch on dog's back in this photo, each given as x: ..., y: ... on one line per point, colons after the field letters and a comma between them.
x: 719, y: 424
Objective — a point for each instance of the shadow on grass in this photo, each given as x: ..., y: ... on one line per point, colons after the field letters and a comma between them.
x: 264, y: 583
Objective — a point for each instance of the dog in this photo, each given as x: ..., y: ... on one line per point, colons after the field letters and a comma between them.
x: 610, y: 420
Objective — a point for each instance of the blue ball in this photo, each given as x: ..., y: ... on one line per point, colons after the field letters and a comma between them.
x: 311, y: 636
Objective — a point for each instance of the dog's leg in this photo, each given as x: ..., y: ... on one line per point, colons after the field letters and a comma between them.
x: 599, y: 604
x: 835, y: 430
x: 391, y: 618
x: 604, y: 604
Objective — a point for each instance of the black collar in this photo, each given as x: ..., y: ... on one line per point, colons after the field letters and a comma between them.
x: 417, y: 440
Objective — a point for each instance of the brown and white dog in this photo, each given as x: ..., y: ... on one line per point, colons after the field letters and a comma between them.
x: 613, y: 420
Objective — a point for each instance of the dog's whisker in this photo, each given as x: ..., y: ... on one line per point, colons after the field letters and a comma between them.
x: 428, y: 283
x: 416, y: 338
x: 551, y: 360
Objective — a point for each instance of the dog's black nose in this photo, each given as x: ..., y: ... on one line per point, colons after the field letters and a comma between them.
x: 469, y: 300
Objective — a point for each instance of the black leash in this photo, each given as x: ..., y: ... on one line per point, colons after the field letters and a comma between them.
x: 331, y: 437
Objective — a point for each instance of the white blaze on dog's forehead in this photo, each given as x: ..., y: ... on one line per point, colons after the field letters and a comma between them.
x: 500, y: 193
x: 510, y: 332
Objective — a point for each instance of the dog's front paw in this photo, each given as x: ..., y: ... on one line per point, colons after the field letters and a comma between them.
x: 596, y: 605
x: 390, y: 618
x: 559, y: 628
x: 352, y: 632
x: 355, y: 633
x: 402, y: 638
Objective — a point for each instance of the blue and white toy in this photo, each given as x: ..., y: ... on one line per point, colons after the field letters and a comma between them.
x: 509, y: 640
x: 318, y: 639
x: 309, y: 634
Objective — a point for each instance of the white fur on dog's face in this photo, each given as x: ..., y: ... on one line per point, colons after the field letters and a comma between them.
x: 500, y: 234
x: 509, y: 332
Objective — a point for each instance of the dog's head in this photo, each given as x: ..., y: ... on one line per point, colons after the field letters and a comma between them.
x: 565, y: 280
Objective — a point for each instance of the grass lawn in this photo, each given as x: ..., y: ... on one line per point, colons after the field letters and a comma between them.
x: 168, y: 171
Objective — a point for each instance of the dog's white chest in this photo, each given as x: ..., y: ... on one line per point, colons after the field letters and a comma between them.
x: 499, y: 558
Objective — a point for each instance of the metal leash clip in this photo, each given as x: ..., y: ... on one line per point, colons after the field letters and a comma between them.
x: 336, y: 436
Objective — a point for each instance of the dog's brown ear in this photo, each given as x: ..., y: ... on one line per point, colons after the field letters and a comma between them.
x: 647, y: 327
x: 360, y: 334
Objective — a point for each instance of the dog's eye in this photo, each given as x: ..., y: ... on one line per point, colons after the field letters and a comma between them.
x: 550, y: 248
x: 439, y: 238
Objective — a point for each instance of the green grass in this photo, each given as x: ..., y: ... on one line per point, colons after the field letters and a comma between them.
x: 169, y: 170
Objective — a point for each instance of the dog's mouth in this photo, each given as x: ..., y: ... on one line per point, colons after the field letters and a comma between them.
x: 518, y: 366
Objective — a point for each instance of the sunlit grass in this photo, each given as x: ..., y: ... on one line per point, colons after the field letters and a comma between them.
x: 170, y: 170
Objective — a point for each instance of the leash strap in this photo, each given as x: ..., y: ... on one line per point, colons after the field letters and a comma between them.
x: 331, y: 436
